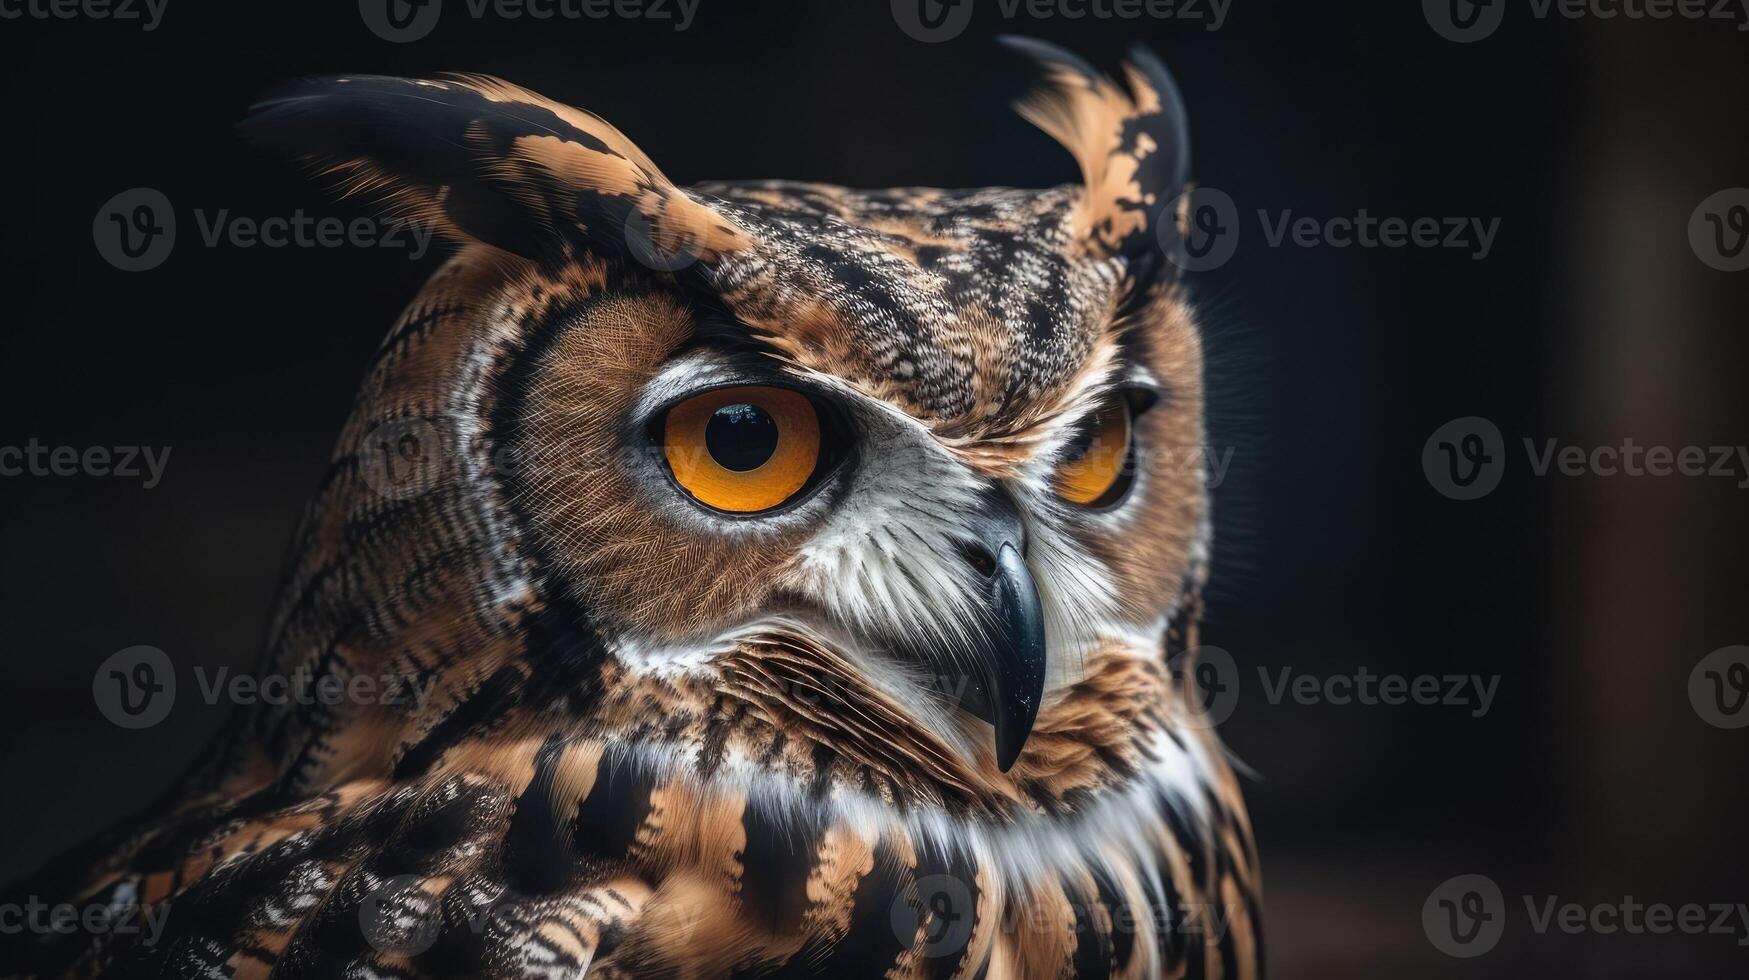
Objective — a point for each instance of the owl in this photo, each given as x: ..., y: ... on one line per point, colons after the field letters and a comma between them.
x: 746, y: 579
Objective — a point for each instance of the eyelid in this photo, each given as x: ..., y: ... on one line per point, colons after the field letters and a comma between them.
x: 671, y: 397
x: 683, y: 377
x: 1141, y: 395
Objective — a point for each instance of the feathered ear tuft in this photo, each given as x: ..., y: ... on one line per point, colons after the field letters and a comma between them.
x: 1133, y: 146
x: 483, y: 160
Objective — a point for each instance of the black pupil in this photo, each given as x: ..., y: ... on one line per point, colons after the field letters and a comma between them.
x: 741, y: 437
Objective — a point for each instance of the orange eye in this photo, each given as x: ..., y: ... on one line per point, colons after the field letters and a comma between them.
x: 742, y: 449
x: 1097, y: 471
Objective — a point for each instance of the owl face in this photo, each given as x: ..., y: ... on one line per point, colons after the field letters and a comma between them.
x: 939, y: 435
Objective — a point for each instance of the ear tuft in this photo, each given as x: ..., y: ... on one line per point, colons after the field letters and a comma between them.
x: 1133, y: 146
x: 484, y: 160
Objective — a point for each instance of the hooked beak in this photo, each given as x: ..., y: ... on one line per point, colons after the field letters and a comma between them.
x: 1008, y: 676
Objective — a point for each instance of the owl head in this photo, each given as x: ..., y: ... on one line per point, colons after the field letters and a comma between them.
x: 908, y: 463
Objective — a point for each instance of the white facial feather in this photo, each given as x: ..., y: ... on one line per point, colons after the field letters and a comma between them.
x: 885, y: 562
x: 888, y: 560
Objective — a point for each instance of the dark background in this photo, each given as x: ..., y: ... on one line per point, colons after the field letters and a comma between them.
x: 1592, y: 778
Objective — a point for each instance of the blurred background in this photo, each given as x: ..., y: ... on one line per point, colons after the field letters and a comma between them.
x: 1590, y: 776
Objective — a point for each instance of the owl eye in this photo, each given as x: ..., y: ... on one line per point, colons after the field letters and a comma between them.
x: 1098, y: 470
x: 742, y: 449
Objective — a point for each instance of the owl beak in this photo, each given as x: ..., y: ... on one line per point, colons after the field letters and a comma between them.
x: 1009, y: 675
